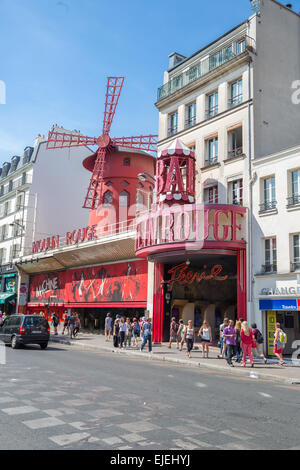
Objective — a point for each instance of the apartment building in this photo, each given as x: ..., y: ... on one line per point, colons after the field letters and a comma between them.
x: 38, y: 195
x: 231, y: 103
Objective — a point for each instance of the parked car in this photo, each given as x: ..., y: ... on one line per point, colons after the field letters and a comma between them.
x: 20, y: 330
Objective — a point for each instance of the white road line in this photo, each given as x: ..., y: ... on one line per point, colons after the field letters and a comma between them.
x: 200, y: 385
x: 265, y: 395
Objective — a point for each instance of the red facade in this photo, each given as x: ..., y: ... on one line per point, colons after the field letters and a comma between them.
x: 107, y: 284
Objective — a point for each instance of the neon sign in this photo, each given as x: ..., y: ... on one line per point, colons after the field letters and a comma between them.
x: 183, y: 276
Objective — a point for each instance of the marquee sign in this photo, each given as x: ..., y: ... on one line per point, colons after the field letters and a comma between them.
x: 182, y: 275
x: 80, y: 235
x: 191, y: 223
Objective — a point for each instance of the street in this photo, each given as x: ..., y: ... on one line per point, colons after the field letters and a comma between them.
x: 62, y: 398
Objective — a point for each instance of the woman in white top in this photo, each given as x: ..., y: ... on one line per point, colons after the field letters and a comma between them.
x: 206, y: 338
x: 189, y: 337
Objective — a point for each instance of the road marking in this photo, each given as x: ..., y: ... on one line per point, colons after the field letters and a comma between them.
x: 265, y: 395
x: 200, y: 385
x: 112, y: 441
x: 20, y: 410
x: 43, y: 423
x: 67, y: 439
x: 236, y: 435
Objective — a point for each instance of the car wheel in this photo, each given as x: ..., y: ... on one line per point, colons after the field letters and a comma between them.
x: 14, y: 343
x: 44, y: 345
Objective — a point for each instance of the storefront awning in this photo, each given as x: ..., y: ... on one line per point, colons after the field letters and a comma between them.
x: 6, y: 296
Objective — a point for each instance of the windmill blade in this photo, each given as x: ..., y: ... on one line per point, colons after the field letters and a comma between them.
x: 94, y: 194
x: 59, y: 140
x: 147, y: 143
x: 114, y: 87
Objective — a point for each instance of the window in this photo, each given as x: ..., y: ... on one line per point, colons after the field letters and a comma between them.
x: 235, y: 142
x: 2, y: 190
x: 23, y: 178
x: 211, y: 195
x: 124, y: 199
x: 108, y: 198
x: 10, y: 186
x: 240, y: 46
x: 296, y: 253
x: 126, y: 162
x: 139, y: 200
x: 173, y: 123
x: 6, y: 208
x: 236, y: 192
x: 14, y: 251
x: 124, y: 184
x: 213, y: 105
x: 190, y: 115
x: 19, y: 202
x: 2, y: 256
x: 236, y: 93
x: 4, y: 232
x: 270, y: 255
x: 294, y: 199
x: 211, y: 151
x: 269, y: 195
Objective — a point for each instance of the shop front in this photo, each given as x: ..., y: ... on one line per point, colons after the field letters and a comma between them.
x: 285, y: 311
x: 8, y: 282
x: 91, y: 291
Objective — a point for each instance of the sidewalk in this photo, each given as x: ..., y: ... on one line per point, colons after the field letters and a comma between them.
x: 289, y: 373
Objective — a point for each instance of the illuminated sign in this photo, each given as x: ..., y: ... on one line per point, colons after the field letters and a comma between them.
x: 182, y: 275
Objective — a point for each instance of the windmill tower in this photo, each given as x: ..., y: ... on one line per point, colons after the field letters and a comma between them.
x: 115, y: 166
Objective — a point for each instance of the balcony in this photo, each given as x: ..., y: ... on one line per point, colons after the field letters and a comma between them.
x: 211, y: 112
x: 269, y: 268
x: 203, y: 67
x: 267, y: 206
x: 295, y: 266
x: 172, y: 131
x: 190, y: 122
x: 237, y: 152
x: 211, y: 162
x: 235, y: 101
x: 293, y: 201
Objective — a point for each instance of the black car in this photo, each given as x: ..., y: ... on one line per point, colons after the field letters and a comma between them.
x: 19, y: 330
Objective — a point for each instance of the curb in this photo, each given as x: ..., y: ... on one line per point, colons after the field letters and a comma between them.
x: 253, y: 374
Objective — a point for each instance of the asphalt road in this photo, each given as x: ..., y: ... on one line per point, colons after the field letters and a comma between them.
x: 63, y: 398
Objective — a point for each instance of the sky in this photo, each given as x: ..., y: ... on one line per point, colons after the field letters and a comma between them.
x: 55, y: 57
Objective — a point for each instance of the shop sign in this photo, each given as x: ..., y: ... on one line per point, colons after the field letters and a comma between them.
x: 279, y: 304
x: 182, y: 275
x: 191, y: 223
x: 288, y: 291
x: 80, y: 235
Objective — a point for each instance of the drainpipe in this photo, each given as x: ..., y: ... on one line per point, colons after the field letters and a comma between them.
x: 251, y: 179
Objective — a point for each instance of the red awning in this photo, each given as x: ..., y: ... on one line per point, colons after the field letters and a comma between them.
x: 108, y: 305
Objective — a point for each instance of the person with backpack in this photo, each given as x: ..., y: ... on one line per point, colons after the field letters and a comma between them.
x: 55, y: 322
x: 174, y: 332
x: 258, y: 340
x: 247, y: 343
x: 66, y: 322
x: 280, y: 340
x: 135, y: 332
x: 147, y: 336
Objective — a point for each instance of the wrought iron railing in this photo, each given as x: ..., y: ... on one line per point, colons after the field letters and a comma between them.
x: 235, y: 152
x: 203, y: 67
x: 172, y: 131
x: 235, y: 100
x: 295, y: 266
x: 211, y: 161
x: 294, y: 200
x: 269, y: 268
x: 190, y: 122
x: 211, y: 112
x: 268, y: 206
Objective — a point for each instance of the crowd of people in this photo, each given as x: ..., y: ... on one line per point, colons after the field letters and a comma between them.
x: 237, y: 340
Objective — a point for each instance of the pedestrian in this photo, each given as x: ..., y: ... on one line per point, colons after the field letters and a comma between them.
x: 238, y: 328
x: 71, y: 325
x: 135, y: 332
x: 229, y: 335
x: 66, y: 322
x: 116, y: 332
x: 55, y: 322
x: 181, y: 330
x: 222, y: 342
x: 77, y: 325
x: 147, y: 335
x: 128, y: 333
x: 122, y: 332
x: 174, y: 332
x: 107, y: 326
x: 247, y: 343
x: 141, y: 322
x: 280, y: 340
x: 259, y: 339
x: 189, y: 337
x: 206, y: 338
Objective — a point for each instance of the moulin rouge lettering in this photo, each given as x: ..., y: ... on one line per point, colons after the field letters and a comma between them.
x: 72, y: 238
x: 182, y: 275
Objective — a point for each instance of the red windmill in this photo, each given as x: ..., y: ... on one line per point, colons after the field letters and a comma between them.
x: 104, y: 142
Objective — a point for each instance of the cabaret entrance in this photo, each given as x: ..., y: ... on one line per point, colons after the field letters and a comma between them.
x: 198, y: 287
